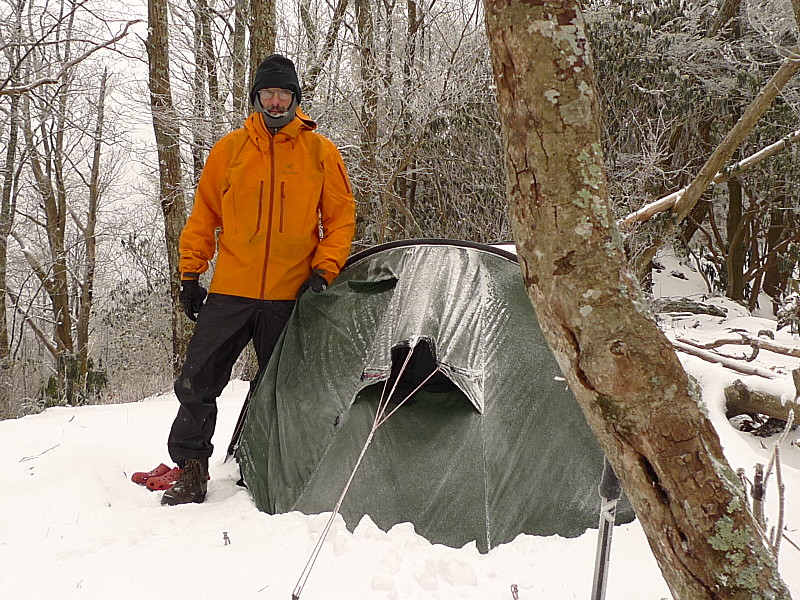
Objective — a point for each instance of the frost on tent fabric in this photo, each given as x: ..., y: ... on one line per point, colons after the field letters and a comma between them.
x: 492, y: 446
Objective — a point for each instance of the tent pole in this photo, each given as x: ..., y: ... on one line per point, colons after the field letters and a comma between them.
x: 237, y: 430
x: 610, y: 492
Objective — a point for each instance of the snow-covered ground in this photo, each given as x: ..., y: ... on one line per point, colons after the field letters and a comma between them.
x: 73, y: 525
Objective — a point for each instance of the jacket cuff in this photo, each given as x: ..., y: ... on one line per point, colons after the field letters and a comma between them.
x: 185, y: 276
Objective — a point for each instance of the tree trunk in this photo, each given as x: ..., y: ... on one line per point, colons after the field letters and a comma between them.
x: 315, y: 70
x: 407, y: 181
x: 7, y: 210
x: 216, y: 107
x: 200, y: 100
x: 736, y: 242
x: 623, y: 371
x: 262, y: 32
x: 727, y: 11
x: 776, y: 275
x: 8, y: 201
x: 90, y: 243
x: 239, y: 58
x: 167, y: 134
x: 369, y: 214
x: 52, y: 274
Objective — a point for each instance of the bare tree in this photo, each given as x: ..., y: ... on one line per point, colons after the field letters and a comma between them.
x: 262, y: 32
x: 239, y: 62
x: 623, y: 371
x: 7, y: 209
x: 57, y: 232
x: 167, y: 133
x: 370, y: 210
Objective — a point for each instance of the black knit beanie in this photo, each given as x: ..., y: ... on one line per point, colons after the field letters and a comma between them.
x: 276, y: 71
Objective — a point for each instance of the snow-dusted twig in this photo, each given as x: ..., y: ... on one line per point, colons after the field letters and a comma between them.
x: 6, y: 90
x: 775, y: 462
x: 776, y: 540
x: 743, y: 478
x: 744, y: 339
x: 778, y: 443
x: 723, y: 360
x: 791, y: 542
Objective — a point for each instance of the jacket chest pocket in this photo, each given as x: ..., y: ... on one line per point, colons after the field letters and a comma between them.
x: 243, y: 208
x: 298, y: 198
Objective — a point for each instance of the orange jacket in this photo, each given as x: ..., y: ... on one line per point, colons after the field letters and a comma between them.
x: 272, y: 208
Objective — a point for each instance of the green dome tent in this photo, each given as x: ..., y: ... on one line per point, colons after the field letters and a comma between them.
x: 493, y: 445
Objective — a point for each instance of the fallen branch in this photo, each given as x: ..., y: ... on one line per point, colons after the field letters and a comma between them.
x: 690, y: 306
x: 745, y: 339
x: 726, y: 362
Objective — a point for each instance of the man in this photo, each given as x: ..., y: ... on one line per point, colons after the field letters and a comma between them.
x: 274, y: 204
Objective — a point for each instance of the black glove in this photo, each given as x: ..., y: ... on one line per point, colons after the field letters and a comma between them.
x: 316, y: 283
x: 192, y: 296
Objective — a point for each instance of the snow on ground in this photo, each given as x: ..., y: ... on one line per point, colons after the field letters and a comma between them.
x: 73, y: 525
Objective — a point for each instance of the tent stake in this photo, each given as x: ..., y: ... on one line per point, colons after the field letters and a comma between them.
x: 610, y: 492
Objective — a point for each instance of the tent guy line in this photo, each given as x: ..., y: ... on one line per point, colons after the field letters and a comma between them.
x: 379, y: 420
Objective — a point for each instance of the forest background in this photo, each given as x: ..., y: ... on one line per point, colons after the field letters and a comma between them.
x: 108, y: 110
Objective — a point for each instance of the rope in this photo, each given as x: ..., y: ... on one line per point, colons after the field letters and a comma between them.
x: 379, y: 420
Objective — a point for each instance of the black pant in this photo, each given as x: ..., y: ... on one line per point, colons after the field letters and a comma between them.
x: 224, y: 327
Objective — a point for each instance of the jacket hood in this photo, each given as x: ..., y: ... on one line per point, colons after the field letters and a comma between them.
x: 254, y: 124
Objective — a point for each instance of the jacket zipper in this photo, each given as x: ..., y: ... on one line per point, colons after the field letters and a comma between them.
x: 269, y: 215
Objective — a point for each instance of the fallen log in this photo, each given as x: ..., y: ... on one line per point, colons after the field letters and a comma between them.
x: 686, y: 305
x: 741, y: 400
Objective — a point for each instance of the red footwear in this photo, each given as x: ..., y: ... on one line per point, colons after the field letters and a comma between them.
x: 165, y: 481
x: 141, y: 478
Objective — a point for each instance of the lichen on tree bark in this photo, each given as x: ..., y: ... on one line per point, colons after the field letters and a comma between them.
x: 633, y: 390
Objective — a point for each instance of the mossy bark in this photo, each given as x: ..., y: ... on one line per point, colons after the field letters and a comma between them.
x: 625, y: 374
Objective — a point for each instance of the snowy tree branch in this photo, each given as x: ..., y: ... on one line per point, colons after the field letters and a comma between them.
x: 726, y: 362
x: 744, y: 339
x: 667, y: 202
x: 23, y: 89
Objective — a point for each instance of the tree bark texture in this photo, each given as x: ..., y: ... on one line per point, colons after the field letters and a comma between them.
x: 624, y: 373
x: 239, y: 58
x: 262, y: 33
x: 167, y: 134
x: 369, y: 213
x: 739, y: 400
x: 735, y: 264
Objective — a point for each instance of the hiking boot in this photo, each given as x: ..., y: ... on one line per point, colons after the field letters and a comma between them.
x: 191, y: 485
